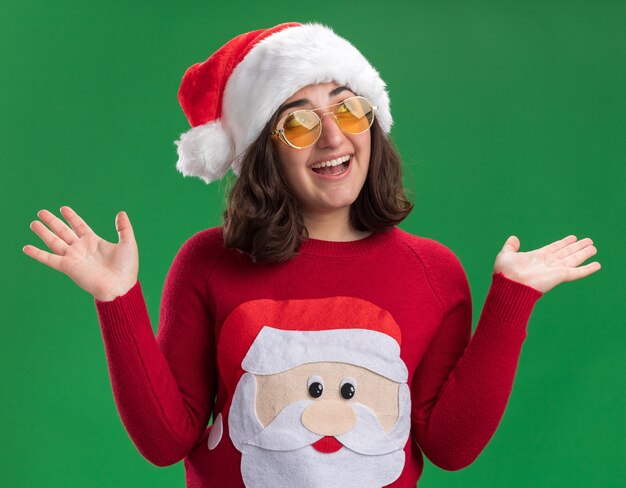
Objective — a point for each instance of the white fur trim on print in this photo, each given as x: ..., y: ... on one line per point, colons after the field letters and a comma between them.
x: 277, y: 350
x: 205, y: 151
x: 286, y: 61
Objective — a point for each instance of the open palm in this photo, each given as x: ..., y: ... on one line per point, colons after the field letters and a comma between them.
x: 101, y: 268
x: 545, y: 268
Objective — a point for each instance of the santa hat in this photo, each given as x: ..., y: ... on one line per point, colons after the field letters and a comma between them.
x: 229, y: 98
x: 270, y: 336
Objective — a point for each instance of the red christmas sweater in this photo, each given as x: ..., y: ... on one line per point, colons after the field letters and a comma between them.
x: 339, y: 367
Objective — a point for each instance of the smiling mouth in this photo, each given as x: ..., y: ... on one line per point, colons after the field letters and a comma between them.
x: 333, y: 170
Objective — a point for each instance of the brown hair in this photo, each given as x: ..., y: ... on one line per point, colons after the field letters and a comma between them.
x: 262, y: 217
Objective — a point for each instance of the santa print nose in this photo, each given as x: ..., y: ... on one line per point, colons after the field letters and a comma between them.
x: 327, y: 444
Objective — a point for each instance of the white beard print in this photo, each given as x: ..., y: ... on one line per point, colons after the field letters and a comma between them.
x: 280, y: 455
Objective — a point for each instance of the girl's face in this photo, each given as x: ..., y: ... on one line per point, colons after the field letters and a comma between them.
x: 331, y: 189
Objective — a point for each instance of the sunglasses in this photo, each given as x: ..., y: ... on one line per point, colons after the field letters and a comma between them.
x: 303, y: 128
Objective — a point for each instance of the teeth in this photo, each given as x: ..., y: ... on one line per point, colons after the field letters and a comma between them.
x: 332, y: 162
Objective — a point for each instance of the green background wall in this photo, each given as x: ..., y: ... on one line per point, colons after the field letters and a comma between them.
x: 509, y: 116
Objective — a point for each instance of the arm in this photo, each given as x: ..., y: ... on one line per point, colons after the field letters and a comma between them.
x: 462, y: 385
x: 164, y: 388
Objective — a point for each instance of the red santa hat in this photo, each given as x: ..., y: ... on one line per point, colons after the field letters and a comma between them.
x: 229, y: 98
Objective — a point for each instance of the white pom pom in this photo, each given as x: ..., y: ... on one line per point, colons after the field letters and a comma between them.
x: 205, y: 151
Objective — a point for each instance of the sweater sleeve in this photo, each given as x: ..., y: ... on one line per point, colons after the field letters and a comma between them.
x: 164, y: 388
x: 461, y: 387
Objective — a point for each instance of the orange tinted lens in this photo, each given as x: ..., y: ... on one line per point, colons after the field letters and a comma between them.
x: 302, y: 128
x: 355, y: 115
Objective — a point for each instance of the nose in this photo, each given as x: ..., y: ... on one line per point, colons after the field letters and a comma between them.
x: 329, y: 417
x: 331, y: 133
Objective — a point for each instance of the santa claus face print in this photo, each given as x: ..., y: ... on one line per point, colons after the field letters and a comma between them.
x: 319, y: 397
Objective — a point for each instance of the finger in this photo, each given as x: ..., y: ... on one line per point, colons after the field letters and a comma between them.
x: 78, y: 224
x: 557, y: 245
x: 124, y: 228
x: 56, y: 245
x: 579, y: 257
x: 578, y: 273
x: 573, y: 248
x: 43, y: 257
x: 58, y: 226
x: 511, y: 244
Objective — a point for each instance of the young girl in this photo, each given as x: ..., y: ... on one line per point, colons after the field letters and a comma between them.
x: 329, y: 347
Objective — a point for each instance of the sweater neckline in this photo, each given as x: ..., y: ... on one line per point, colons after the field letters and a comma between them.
x: 319, y: 247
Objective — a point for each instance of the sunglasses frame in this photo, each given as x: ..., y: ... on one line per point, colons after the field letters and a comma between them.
x: 279, y: 132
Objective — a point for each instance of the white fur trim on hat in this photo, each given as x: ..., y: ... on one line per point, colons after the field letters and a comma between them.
x: 277, y: 350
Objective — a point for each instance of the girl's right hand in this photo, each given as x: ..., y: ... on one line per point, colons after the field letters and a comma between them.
x: 101, y: 268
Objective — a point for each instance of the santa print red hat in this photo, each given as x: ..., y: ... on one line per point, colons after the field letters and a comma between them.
x: 229, y: 98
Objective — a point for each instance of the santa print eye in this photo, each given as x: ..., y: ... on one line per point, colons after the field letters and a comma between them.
x: 316, y: 386
x: 348, y: 388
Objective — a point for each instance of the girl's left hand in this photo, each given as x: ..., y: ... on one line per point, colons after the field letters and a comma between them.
x: 545, y: 268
